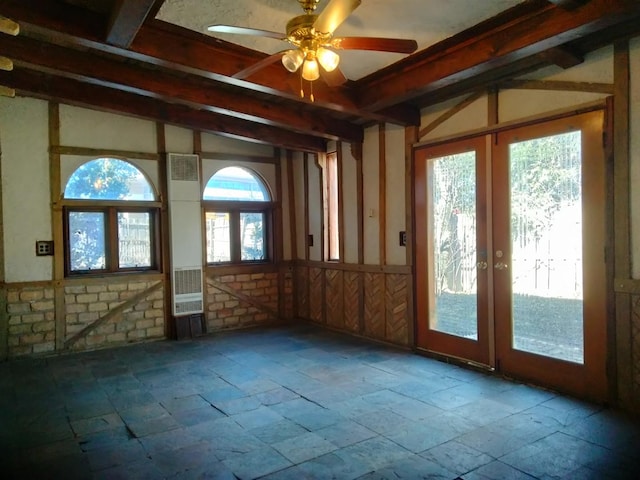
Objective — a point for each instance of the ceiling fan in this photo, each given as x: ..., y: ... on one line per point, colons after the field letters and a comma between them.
x: 311, y: 36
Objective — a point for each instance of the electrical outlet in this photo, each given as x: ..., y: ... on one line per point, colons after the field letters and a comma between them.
x: 44, y: 248
x: 310, y: 240
x: 403, y: 239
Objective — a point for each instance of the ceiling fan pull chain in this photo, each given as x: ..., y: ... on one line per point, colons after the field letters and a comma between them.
x: 301, y: 89
x: 311, y: 92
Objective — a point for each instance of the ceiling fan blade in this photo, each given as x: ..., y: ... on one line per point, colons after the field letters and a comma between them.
x: 334, y: 78
x: 373, y: 43
x: 245, y: 31
x: 334, y: 14
x: 265, y: 62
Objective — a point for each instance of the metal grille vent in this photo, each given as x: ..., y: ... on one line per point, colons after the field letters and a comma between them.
x: 187, y: 281
x: 188, y: 307
x: 184, y: 168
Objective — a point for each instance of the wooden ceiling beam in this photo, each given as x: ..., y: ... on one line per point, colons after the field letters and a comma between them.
x: 189, y: 90
x: 568, y: 4
x: 162, y: 44
x: 126, y: 19
x: 526, y: 35
x: 73, y: 92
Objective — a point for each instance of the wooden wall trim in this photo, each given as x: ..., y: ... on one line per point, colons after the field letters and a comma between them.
x: 356, y: 152
x: 339, y: 160
x: 627, y: 285
x: 219, y: 271
x: 101, y: 152
x: 353, y: 267
x: 521, y: 122
x: 558, y: 85
x: 57, y: 229
x: 410, y: 137
x: 464, y: 103
x: 621, y: 221
x: 236, y: 157
x: 163, y: 190
x: 279, y: 236
x: 382, y: 185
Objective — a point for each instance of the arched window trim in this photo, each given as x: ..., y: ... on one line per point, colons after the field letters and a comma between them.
x: 117, y: 220
x: 255, y: 174
x: 234, y: 214
x: 149, y: 182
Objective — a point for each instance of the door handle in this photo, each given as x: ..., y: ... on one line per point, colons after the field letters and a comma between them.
x: 482, y: 265
x: 500, y: 266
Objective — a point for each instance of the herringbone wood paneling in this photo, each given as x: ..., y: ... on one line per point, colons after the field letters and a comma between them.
x: 351, y: 290
x: 315, y: 294
x: 374, y: 311
x: 397, y: 329
x: 302, y: 291
x: 334, y: 299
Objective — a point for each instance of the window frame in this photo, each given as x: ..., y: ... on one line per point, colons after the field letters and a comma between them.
x: 110, y: 210
x: 332, y: 207
x: 234, y: 209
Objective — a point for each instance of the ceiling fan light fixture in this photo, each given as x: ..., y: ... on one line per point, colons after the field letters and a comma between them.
x: 328, y: 59
x: 292, y: 59
x: 310, y: 70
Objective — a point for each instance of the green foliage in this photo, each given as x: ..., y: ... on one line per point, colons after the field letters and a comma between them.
x: 101, y: 179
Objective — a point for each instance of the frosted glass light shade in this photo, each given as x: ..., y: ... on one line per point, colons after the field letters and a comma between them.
x: 292, y: 60
x: 328, y: 59
x: 310, y: 70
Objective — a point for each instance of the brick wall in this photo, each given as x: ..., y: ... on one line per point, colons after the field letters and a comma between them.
x: 31, y: 319
x: 226, y: 311
x: 84, y: 304
x: 32, y: 324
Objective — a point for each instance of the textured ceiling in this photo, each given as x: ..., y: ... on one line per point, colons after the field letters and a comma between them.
x: 426, y: 21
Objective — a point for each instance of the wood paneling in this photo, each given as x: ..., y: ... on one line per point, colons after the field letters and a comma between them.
x: 396, y: 306
x: 316, y: 300
x: 374, y: 301
x: 352, y: 301
x: 302, y: 291
x: 334, y: 298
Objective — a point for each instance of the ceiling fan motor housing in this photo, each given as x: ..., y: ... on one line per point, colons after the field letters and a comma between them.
x: 300, y: 32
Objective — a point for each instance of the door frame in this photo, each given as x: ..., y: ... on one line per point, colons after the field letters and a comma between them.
x: 599, y: 390
x: 588, y: 379
x: 478, y: 351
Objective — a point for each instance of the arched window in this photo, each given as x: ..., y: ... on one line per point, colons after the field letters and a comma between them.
x: 111, y: 219
x: 237, y: 217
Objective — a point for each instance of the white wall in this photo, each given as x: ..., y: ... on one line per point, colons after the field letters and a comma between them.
x: 218, y: 143
x: 81, y: 127
x: 371, y: 195
x: 395, y: 194
x: 298, y: 180
x: 178, y: 140
x: 24, y: 141
x: 349, y: 205
x: 316, y: 212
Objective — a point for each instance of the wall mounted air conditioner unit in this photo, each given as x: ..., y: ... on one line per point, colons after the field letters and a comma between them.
x: 185, y: 224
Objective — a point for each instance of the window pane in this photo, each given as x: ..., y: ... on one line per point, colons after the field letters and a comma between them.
x: 332, y: 205
x: 252, y: 236
x: 134, y: 239
x: 108, y: 179
x: 87, y: 241
x: 218, y: 237
x: 235, y: 183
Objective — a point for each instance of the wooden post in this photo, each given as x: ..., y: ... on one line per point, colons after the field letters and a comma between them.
x: 622, y: 252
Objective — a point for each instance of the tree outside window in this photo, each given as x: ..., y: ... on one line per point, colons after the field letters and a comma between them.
x: 104, y: 232
x: 237, y: 216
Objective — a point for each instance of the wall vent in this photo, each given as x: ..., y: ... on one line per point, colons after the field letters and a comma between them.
x: 184, y: 167
x: 187, y: 291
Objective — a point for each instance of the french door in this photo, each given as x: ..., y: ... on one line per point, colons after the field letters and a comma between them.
x: 510, y: 237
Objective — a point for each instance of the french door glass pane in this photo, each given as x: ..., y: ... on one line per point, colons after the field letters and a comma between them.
x: 546, y: 246
x: 87, y: 241
x: 252, y: 236
x: 453, y: 299
x: 134, y: 239
x: 218, y: 237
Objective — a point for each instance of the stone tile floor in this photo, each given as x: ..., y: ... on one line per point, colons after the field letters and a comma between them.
x: 294, y: 403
